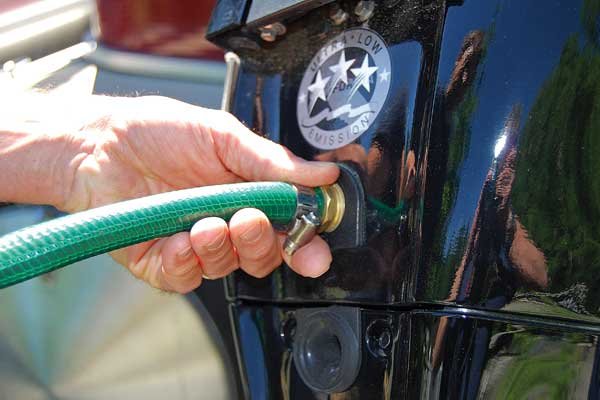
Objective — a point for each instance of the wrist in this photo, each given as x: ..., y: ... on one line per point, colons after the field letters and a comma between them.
x: 37, y: 165
x: 43, y: 142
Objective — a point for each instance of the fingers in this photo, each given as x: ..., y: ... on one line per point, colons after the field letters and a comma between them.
x: 181, y: 271
x: 210, y: 241
x: 213, y: 249
x: 251, y: 243
x: 256, y: 242
x: 311, y: 260
x: 258, y: 159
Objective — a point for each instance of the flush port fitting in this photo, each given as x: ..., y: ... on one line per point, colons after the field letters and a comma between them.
x: 341, y: 218
x: 333, y: 208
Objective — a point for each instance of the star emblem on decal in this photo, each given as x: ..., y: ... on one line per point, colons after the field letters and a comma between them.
x: 317, y: 89
x: 340, y: 71
x: 343, y: 89
x: 384, y: 75
x: 363, y: 74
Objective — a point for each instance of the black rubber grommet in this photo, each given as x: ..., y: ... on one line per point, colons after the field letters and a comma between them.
x: 351, y: 233
x: 326, y: 351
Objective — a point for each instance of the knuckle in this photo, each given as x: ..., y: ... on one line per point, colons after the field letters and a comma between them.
x: 181, y: 270
x: 217, y: 257
x: 138, y: 270
x: 220, y: 273
x: 219, y: 264
x: 262, y: 267
x: 250, y: 230
x: 212, y: 245
x: 257, y: 254
x: 154, y: 281
x: 212, y: 253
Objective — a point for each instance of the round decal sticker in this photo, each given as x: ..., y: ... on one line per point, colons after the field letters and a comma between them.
x: 343, y: 89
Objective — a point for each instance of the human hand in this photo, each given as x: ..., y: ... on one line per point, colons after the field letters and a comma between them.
x: 149, y: 145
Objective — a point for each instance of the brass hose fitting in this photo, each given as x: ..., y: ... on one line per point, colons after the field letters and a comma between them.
x: 301, y: 233
x: 307, y: 223
x: 333, y: 209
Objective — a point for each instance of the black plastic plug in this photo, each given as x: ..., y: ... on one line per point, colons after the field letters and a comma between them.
x: 352, y: 230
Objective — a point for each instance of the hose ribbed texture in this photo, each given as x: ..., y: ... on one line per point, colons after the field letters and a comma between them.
x: 42, y: 248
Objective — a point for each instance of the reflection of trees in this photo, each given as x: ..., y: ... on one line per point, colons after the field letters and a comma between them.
x: 542, y: 191
x: 557, y: 187
x: 456, y: 108
x: 524, y: 364
x: 589, y: 20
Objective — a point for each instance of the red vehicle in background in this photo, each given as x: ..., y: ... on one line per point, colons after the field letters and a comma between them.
x: 166, y: 28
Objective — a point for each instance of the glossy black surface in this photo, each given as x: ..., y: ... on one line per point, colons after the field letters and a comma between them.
x: 264, y: 342
x: 265, y: 100
x: 265, y: 11
x: 511, y: 197
x: 485, y: 154
x: 226, y: 15
x: 482, y: 178
x: 432, y: 355
x: 453, y: 357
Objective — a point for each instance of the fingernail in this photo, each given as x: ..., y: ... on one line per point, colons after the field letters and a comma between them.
x: 185, y: 253
x: 252, y: 234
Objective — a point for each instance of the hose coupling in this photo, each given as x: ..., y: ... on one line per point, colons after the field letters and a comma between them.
x: 304, y: 229
x: 314, y: 216
x: 334, y: 205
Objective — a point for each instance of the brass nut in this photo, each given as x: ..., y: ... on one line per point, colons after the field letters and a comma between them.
x: 333, y: 208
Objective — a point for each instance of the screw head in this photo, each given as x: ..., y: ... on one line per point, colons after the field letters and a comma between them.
x: 364, y: 9
x: 337, y: 15
x: 380, y: 338
x: 268, y: 36
x: 385, y: 339
x: 269, y: 32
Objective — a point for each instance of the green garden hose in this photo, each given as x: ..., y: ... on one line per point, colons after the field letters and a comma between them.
x: 42, y: 248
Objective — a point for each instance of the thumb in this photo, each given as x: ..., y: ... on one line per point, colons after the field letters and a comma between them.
x: 255, y: 158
